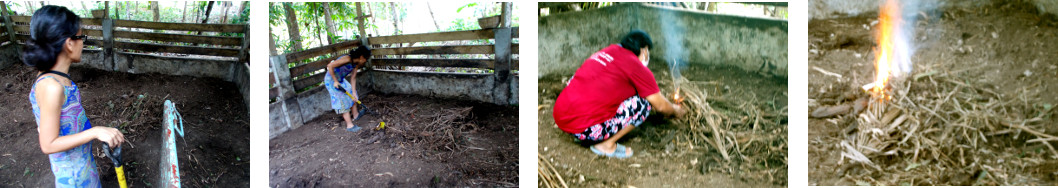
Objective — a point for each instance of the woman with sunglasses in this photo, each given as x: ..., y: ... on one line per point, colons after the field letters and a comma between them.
x: 66, y: 135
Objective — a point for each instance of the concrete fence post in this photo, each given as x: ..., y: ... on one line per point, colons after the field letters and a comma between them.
x: 287, y: 96
x: 108, y: 40
x: 501, y: 90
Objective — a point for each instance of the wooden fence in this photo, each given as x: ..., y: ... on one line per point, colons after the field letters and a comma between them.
x: 147, y: 37
x: 306, y: 76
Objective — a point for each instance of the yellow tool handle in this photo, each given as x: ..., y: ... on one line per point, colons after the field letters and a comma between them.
x: 121, y: 176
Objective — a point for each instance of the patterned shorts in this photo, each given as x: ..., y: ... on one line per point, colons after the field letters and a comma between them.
x: 632, y: 112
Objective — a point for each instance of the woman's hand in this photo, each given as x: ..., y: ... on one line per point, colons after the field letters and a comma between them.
x: 679, y: 110
x: 109, y: 135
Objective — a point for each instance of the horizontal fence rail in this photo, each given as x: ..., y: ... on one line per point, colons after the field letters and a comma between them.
x: 156, y: 37
x: 307, y: 75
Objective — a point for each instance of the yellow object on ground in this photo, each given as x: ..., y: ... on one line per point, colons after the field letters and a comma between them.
x: 381, y: 125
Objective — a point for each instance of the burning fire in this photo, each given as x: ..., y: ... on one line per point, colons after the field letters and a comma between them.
x: 888, y: 21
x: 676, y: 96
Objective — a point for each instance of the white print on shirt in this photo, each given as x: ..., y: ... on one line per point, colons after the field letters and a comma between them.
x: 602, y: 55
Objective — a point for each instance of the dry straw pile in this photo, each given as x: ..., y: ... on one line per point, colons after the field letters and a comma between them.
x: 944, y: 130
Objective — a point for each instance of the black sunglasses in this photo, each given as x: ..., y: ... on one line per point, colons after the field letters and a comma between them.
x: 79, y: 37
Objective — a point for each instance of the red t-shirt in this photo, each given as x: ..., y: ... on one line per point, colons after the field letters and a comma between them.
x: 602, y: 82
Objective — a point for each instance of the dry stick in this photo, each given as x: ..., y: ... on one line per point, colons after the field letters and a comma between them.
x: 552, y: 167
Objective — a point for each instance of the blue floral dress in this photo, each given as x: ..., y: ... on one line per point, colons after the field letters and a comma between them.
x: 341, y: 102
x: 75, y: 167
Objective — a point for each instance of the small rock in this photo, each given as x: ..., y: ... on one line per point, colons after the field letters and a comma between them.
x: 1027, y: 73
x: 995, y: 35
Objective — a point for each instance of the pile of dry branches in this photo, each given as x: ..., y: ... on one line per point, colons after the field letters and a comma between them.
x: 438, y: 130
x: 750, y: 137
x: 942, y: 130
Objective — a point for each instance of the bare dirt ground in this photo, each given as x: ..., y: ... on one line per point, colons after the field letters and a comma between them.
x: 667, y: 154
x: 425, y: 143
x: 214, y: 152
x: 998, y: 55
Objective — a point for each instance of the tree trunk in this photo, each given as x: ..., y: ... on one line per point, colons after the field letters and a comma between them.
x: 209, y: 8
x: 85, y: 7
x: 393, y: 12
x: 183, y: 18
x: 371, y: 12
x: 433, y: 17
x: 227, y: 8
x: 155, y: 10
x: 292, y: 27
x: 316, y: 20
x: 360, y: 20
x: 198, y: 13
x: 711, y: 7
x: 327, y: 17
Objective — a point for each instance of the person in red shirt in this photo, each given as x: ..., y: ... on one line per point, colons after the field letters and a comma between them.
x: 611, y: 93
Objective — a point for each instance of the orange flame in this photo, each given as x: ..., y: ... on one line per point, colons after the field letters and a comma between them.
x: 888, y: 20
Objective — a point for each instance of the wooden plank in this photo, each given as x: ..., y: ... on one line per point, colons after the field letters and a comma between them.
x: 514, y: 32
x: 22, y: 28
x: 463, y: 49
x: 166, y: 37
x: 303, y: 83
x: 92, y: 32
x: 514, y: 48
x: 466, y: 63
x: 23, y: 19
x: 318, y: 51
x: 226, y: 28
x: 93, y: 42
x: 310, y: 67
x: 91, y: 21
x: 514, y: 64
x: 430, y: 37
x: 84, y: 21
x: 146, y: 47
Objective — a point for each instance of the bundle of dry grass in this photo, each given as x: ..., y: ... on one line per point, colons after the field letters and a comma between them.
x: 749, y: 137
x: 943, y: 130
x: 549, y: 177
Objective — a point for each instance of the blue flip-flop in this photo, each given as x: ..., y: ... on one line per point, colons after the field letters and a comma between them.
x: 353, y: 129
x: 619, y: 152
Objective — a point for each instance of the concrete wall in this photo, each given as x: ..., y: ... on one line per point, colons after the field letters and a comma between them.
x: 229, y: 70
x: 566, y: 39
x: 477, y: 87
x: 306, y: 106
x: 145, y: 63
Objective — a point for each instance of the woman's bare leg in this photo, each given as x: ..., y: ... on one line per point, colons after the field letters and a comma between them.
x: 348, y: 122
x: 356, y: 113
x: 610, y: 145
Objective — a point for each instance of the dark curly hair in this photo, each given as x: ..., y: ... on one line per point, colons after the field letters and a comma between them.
x: 49, y: 28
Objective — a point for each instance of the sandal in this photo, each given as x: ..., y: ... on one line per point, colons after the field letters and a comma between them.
x: 619, y: 152
x: 353, y: 129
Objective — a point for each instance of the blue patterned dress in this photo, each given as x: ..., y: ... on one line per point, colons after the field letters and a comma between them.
x: 74, y: 167
x: 340, y: 101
